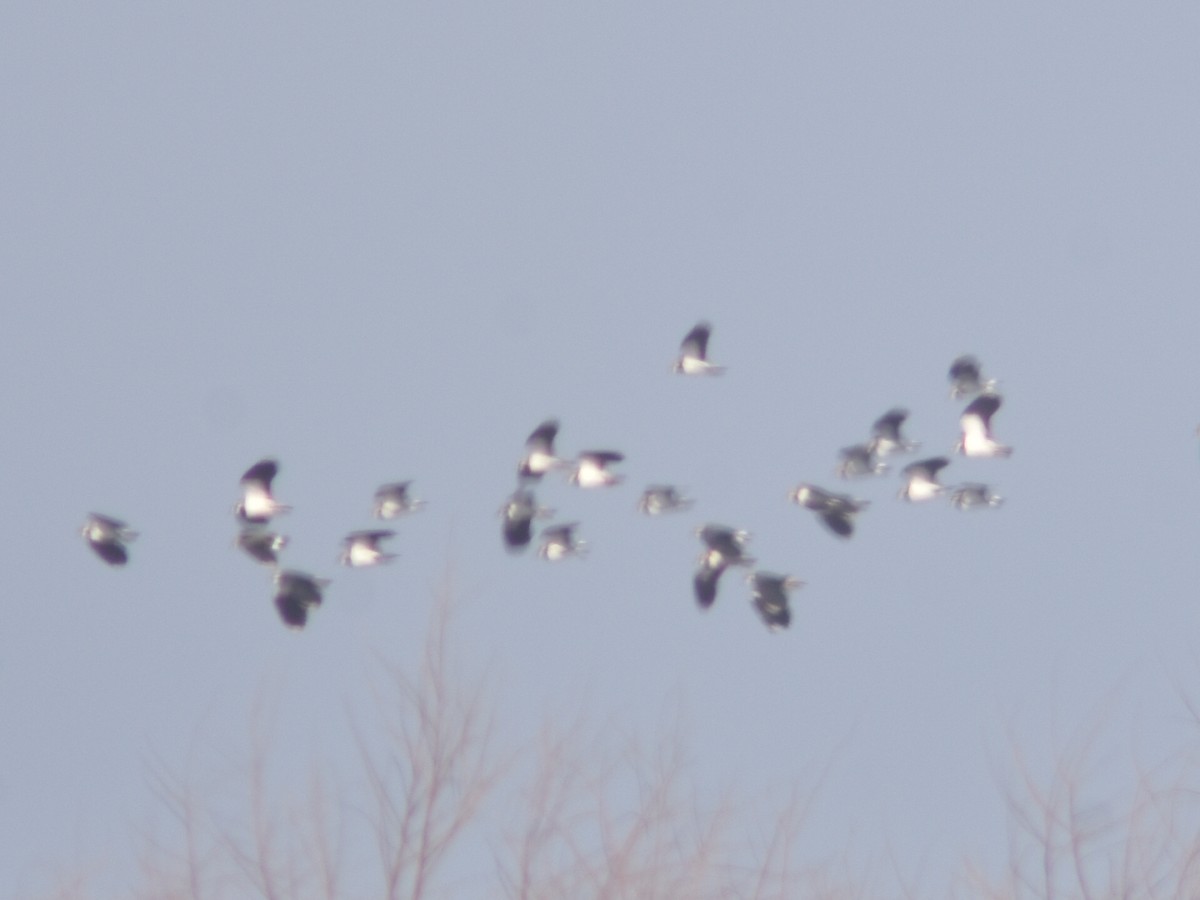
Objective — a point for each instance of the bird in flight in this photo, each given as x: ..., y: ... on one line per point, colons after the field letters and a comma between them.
x: 393, y: 500
x: 976, y: 423
x: 769, y: 594
x: 107, y: 537
x: 258, y: 504
x: 693, y: 353
x: 295, y: 594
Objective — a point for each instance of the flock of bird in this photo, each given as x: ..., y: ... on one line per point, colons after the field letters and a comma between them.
x: 296, y: 593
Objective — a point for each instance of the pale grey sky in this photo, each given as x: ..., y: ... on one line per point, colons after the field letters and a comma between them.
x: 386, y: 242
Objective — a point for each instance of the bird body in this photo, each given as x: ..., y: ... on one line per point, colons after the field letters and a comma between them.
x: 295, y: 594
x: 966, y: 378
x: 858, y: 460
x: 693, y: 353
x: 539, y: 452
x: 662, y: 498
x: 974, y: 496
x: 770, y: 598
x: 886, y: 437
x: 107, y: 537
x: 591, y: 469
x: 393, y: 500
x: 261, y: 544
x: 559, y: 542
x: 518, y: 513
x: 258, y: 504
x: 976, y: 424
x: 920, y: 479
x: 361, y: 548
x: 836, y: 511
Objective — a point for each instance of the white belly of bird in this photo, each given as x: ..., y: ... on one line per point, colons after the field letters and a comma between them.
x: 362, y: 555
x: 590, y: 476
x: 921, y: 489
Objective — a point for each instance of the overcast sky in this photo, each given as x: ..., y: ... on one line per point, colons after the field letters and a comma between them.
x: 385, y: 242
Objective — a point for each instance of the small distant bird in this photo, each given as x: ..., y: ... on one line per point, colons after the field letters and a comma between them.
x: 257, y: 504
x: 858, y: 460
x: 724, y: 546
x: 886, y: 438
x: 976, y: 423
x: 295, y: 594
x: 392, y: 500
x: 836, y: 511
x: 770, y: 597
x: 966, y: 378
x: 662, y: 498
x: 107, y: 537
x: 559, y: 542
x: 539, y: 452
x: 693, y: 353
x: 591, y: 469
x: 705, y: 582
x: 974, y: 496
x: 518, y: 512
x: 921, y: 479
x: 361, y: 548
x: 261, y: 544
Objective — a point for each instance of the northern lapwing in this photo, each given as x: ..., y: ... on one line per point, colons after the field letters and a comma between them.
x: 921, y: 479
x: 706, y: 581
x: 836, y: 511
x: 258, y: 505
x: 976, y: 423
x: 261, y: 544
x: 361, y: 548
x: 518, y: 513
x: 886, y: 438
x: 693, y: 353
x: 559, y: 542
x: 107, y: 537
x: 770, y: 597
x: 591, y: 469
x: 662, y: 498
x: 295, y: 594
x: 974, y: 496
x: 724, y: 546
x: 966, y: 378
x: 394, y: 500
x: 539, y: 455
x: 858, y: 460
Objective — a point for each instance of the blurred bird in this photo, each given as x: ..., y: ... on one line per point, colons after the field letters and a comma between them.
x: 518, y: 512
x: 705, y: 582
x: 920, y: 479
x: 976, y: 422
x: 591, y: 469
x: 261, y: 544
x: 886, y: 438
x: 770, y: 597
x: 257, y: 504
x: 539, y: 452
x: 361, y: 548
x: 559, y: 542
x: 836, y: 511
x: 107, y: 537
x: 974, y: 496
x: 392, y: 500
x: 966, y: 378
x: 858, y: 460
x: 724, y: 546
x: 295, y: 594
x: 661, y: 498
x: 693, y: 353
